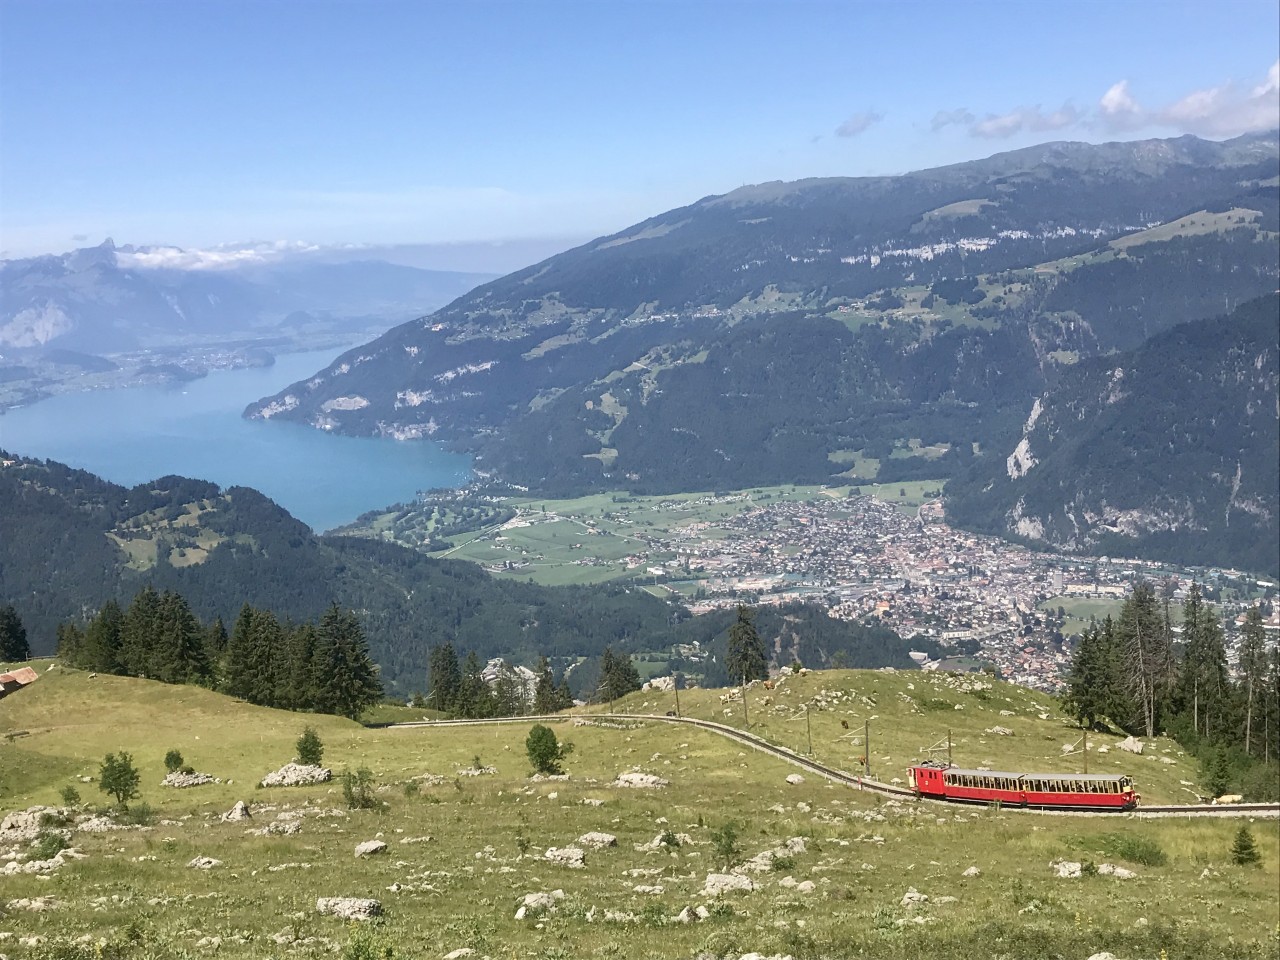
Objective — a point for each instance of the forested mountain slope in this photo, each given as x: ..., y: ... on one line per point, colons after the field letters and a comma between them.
x: 782, y: 331
x: 1169, y: 450
x: 70, y: 541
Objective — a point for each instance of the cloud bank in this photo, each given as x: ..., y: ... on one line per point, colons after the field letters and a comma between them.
x: 858, y: 123
x: 221, y: 257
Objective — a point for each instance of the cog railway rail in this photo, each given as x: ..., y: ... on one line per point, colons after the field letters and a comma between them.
x: 1265, y: 810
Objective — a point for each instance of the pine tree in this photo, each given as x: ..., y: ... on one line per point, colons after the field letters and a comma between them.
x: 746, y: 660
x: 1144, y: 637
x: 215, y: 641
x: 70, y: 644
x: 346, y: 679
x: 100, y: 649
x: 13, y: 636
x: 1093, y: 680
x: 475, y: 699
x: 237, y: 671
x: 178, y: 655
x: 544, y: 694
x: 1253, y: 665
x: 618, y: 676
x: 510, y: 695
x: 140, y: 633
x: 1244, y: 851
x: 297, y: 689
x: 564, y: 696
x: 445, y: 678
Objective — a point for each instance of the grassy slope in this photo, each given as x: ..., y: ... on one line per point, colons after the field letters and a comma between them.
x: 859, y: 879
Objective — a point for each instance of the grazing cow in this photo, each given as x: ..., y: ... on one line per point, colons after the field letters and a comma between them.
x: 1229, y: 798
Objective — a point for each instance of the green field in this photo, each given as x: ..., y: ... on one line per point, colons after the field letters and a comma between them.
x: 462, y: 854
x: 1079, y: 610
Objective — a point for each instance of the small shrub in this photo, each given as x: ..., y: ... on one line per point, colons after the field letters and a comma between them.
x: 47, y: 845
x: 1138, y: 849
x: 310, y: 748
x: 522, y: 840
x: 1244, y: 851
x: 368, y: 945
x: 725, y: 843
x: 782, y: 864
x: 140, y: 815
x: 119, y: 778
x: 1088, y: 869
x: 70, y: 796
x: 357, y: 790
x: 173, y: 761
x: 545, y: 752
x: 411, y: 790
x: 187, y: 769
x: 669, y: 838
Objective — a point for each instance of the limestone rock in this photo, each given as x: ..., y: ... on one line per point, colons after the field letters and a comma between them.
x: 535, y: 904
x: 239, y: 812
x: 795, y: 778
x: 641, y: 781
x: 598, y: 841
x: 573, y: 857
x: 349, y: 908
x: 369, y: 847
x: 297, y: 775
x: 1067, y: 869
x: 1131, y: 744
x: 721, y: 883
x: 182, y: 780
x: 23, y: 826
x: 972, y: 872
x: 913, y: 897
x: 204, y: 863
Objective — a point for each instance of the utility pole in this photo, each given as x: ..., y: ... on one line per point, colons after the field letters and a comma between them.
x: 1086, y: 751
x: 675, y: 685
x: 866, y: 747
x: 745, y: 722
x: 808, y: 728
x: 948, y: 746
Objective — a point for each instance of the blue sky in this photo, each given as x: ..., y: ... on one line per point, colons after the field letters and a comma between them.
x: 218, y: 123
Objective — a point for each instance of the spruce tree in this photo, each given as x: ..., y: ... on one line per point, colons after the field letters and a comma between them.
x: 1253, y: 665
x: 746, y: 660
x: 100, y: 649
x: 1091, y: 681
x: 13, y: 636
x: 237, y: 670
x: 618, y: 676
x: 1244, y: 851
x: 445, y: 678
x: 140, y: 633
x: 475, y: 699
x: 70, y: 644
x: 178, y: 655
x: 346, y: 679
x: 1144, y: 637
x: 297, y: 690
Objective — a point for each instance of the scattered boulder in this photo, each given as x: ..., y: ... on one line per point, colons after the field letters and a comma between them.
x: 459, y: 954
x: 1104, y: 955
x: 239, y: 812
x: 369, y: 847
x: 297, y: 775
x: 717, y: 884
x: 573, y: 857
x: 641, y: 781
x: 35, y: 904
x: 972, y: 872
x: 182, y: 780
x: 998, y: 731
x: 349, y: 908
x: 1067, y: 869
x: 763, y: 862
x: 913, y: 897
x: 1111, y: 870
x: 1131, y: 744
x: 795, y: 779
x: 23, y: 826
x: 536, y: 904
x: 598, y: 841
x: 204, y: 863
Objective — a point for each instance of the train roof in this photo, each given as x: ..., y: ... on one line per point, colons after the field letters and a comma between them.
x: 1095, y: 777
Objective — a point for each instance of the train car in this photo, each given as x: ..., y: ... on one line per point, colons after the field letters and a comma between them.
x: 1062, y: 791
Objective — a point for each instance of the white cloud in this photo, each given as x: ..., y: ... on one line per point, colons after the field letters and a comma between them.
x: 221, y: 257
x: 945, y: 118
x: 1221, y: 111
x: 1033, y: 119
x: 858, y: 123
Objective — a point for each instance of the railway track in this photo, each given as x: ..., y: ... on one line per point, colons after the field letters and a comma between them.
x: 857, y: 782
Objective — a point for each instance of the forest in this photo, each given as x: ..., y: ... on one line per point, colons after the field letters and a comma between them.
x: 1139, y: 673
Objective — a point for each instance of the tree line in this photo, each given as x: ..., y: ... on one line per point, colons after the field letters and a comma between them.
x: 1133, y: 671
x: 324, y: 667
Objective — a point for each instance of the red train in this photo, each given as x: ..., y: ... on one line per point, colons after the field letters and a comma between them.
x: 1053, y: 790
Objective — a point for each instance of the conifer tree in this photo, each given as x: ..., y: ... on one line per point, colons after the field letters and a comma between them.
x: 237, y: 671
x: 1093, y: 680
x: 1244, y: 851
x: 13, y: 636
x: 1144, y: 638
x: 445, y: 678
x: 178, y: 655
x: 618, y: 676
x: 475, y: 699
x: 346, y: 679
x: 297, y: 689
x: 70, y: 644
x: 746, y: 660
x: 1253, y: 665
x: 140, y: 633
x: 100, y: 648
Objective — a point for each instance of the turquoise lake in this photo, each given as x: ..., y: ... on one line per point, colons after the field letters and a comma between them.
x: 195, y: 429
